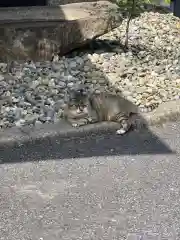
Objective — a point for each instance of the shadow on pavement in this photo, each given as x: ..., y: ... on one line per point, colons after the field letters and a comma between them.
x: 93, y: 145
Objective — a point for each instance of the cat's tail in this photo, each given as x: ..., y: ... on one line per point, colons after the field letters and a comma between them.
x: 138, y: 119
x: 148, y: 109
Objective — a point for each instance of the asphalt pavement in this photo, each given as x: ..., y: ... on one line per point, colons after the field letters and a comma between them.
x: 99, y: 186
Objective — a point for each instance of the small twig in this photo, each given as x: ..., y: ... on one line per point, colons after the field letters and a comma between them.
x: 131, y: 14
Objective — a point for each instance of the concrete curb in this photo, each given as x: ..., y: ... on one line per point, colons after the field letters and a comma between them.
x: 169, y: 111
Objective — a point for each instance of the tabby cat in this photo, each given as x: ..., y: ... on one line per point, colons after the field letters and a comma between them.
x: 83, y: 109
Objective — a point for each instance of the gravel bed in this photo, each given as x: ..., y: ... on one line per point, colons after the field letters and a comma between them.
x: 35, y: 93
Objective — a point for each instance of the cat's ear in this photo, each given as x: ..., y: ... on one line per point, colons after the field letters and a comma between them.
x: 70, y: 91
x: 69, y: 94
x: 80, y: 87
x: 86, y: 90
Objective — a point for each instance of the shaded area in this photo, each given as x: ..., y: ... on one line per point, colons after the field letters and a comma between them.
x: 114, y: 46
x: 22, y: 3
x: 176, y: 8
x: 105, y: 143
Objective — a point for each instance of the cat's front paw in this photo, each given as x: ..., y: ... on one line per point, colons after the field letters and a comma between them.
x: 75, y: 125
x: 90, y: 120
x: 121, y: 131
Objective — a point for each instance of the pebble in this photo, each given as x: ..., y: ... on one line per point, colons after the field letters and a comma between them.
x: 148, y: 73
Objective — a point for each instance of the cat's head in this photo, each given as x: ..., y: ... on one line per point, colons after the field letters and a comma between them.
x: 79, y: 101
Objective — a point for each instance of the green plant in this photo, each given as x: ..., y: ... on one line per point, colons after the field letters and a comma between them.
x: 167, y: 1
x: 133, y: 8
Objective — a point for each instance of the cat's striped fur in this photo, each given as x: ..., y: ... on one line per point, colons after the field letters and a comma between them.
x: 97, y: 107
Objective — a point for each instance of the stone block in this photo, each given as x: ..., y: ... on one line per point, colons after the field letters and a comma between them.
x: 37, y: 33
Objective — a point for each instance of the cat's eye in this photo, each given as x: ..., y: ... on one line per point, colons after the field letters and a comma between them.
x: 82, y: 107
x: 72, y: 105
